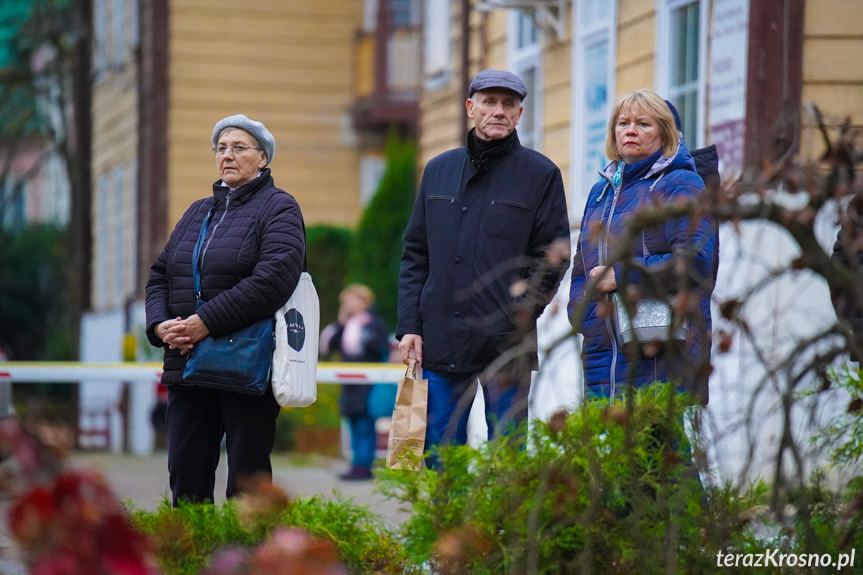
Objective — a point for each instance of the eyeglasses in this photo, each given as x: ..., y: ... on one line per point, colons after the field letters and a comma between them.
x: 237, y: 150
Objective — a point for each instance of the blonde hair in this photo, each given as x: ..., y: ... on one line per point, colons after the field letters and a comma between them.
x: 359, y: 290
x: 648, y: 103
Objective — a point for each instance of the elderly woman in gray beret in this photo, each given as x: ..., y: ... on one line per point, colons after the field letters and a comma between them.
x: 250, y: 261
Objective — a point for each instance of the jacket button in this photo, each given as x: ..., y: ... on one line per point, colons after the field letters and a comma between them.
x: 464, y: 208
x: 451, y: 366
x: 458, y: 260
x: 456, y: 314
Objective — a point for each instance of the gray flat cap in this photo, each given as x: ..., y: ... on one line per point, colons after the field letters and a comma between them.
x: 492, y: 78
x: 256, y: 129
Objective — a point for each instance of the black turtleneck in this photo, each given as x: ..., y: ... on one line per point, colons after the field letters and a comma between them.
x: 476, y: 147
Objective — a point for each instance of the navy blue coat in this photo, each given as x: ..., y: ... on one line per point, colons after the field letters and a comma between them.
x: 250, y: 266
x: 606, y: 366
x: 477, y: 230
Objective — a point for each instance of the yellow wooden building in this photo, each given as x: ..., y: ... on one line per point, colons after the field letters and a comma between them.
x: 327, y: 77
x: 168, y: 70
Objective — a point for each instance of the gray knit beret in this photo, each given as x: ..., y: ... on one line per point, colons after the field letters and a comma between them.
x: 256, y: 129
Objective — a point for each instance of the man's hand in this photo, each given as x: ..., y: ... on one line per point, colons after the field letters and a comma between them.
x: 608, y: 282
x: 411, y: 341
x: 182, y: 334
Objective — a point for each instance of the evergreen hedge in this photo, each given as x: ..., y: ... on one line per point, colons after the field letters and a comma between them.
x: 376, y: 247
x: 327, y: 254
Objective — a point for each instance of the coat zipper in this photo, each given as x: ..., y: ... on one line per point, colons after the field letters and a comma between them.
x: 213, y: 233
x: 603, y: 258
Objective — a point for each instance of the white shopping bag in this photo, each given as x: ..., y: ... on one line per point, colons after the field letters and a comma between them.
x: 295, y: 361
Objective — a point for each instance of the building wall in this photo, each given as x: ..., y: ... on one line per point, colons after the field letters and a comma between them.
x: 114, y: 160
x: 443, y: 118
x: 286, y: 64
x: 556, y: 103
x: 636, y: 45
x: 832, y: 75
x: 442, y: 107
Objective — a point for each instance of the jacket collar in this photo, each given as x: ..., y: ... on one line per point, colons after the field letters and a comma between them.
x: 244, y: 192
x: 506, y: 146
x: 652, y: 165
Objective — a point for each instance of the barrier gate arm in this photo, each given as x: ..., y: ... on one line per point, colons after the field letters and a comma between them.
x: 70, y: 372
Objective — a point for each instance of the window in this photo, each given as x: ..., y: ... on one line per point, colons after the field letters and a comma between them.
x: 13, y: 195
x: 100, y: 284
x: 593, y: 89
x: 681, y: 62
x: 371, y: 171
x: 437, y: 50
x: 119, y: 39
x: 404, y: 12
x: 370, y: 15
x: 117, y: 221
x: 526, y: 34
x: 524, y: 61
x: 134, y: 15
x: 100, y: 37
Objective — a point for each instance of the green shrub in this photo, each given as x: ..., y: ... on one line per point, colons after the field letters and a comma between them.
x: 188, y: 536
x: 843, y: 434
x: 32, y: 280
x: 606, y: 489
x: 376, y: 247
x: 327, y: 254
x: 602, y: 490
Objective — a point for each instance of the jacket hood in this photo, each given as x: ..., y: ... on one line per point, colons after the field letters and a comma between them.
x: 681, y: 159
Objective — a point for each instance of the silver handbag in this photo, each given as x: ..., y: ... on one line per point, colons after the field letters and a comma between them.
x: 653, y: 321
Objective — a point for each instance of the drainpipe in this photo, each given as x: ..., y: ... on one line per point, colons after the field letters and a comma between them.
x: 382, y: 44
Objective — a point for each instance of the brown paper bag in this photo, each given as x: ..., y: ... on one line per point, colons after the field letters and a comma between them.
x: 408, y: 429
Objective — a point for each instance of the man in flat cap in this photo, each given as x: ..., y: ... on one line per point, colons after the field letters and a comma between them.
x: 484, y: 252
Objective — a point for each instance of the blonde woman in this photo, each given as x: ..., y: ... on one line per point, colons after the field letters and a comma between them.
x: 360, y: 335
x: 650, y: 166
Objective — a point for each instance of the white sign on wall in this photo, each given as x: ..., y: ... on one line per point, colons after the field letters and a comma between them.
x: 728, y: 65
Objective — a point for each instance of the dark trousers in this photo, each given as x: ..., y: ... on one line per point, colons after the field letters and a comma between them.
x: 197, y: 419
x: 450, y: 397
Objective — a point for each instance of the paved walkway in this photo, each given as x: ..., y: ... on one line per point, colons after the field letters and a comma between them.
x: 143, y: 480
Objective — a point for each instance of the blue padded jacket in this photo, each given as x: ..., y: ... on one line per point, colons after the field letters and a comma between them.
x: 660, y: 180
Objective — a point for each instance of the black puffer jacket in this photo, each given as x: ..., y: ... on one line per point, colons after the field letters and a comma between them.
x: 478, y: 231
x: 250, y: 265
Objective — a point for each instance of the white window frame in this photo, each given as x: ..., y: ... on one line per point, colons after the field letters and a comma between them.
x: 521, y: 58
x: 664, y: 46
x: 586, y: 35
x: 437, y: 40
